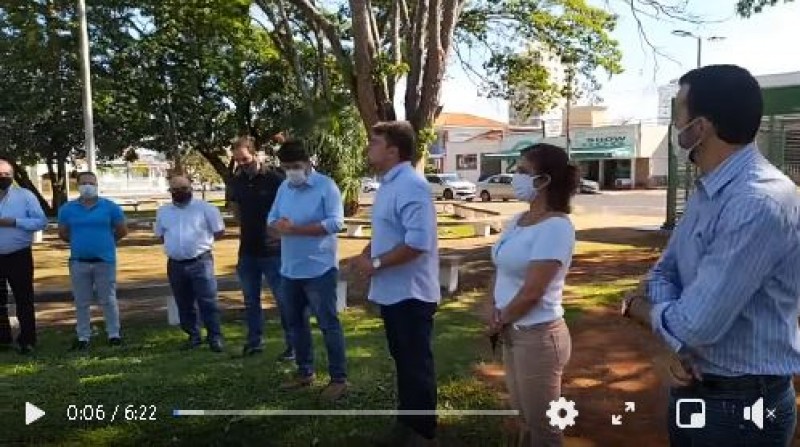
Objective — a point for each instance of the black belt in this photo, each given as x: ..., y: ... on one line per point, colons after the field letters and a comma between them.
x: 743, y: 383
x: 90, y: 260
x: 188, y: 261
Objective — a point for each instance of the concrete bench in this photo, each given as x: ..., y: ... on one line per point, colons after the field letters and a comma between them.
x: 449, y: 270
x: 483, y: 228
x: 130, y: 204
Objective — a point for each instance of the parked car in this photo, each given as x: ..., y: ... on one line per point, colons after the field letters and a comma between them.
x: 589, y: 187
x: 496, y: 187
x: 369, y: 185
x: 451, y: 186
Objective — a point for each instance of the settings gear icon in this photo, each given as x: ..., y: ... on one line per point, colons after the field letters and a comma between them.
x: 562, y: 413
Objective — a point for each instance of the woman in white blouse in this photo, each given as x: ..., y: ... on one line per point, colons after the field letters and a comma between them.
x: 531, y: 259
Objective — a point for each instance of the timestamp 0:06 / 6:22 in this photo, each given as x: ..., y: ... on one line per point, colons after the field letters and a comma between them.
x: 111, y: 413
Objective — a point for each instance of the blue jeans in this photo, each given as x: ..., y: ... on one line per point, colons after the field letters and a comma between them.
x: 319, y: 295
x: 251, y: 271
x: 194, y: 282
x: 725, y: 424
x: 90, y: 279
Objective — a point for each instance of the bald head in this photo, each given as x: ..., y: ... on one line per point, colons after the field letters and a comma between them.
x: 179, y: 181
x: 6, y: 168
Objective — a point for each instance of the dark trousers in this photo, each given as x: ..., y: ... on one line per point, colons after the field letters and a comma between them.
x: 16, y: 269
x: 409, y: 326
x: 193, y: 282
x: 725, y: 402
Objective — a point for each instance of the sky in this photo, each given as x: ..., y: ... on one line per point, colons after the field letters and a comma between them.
x: 766, y: 43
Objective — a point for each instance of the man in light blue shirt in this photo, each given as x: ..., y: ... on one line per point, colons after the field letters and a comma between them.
x: 402, y: 261
x: 308, y: 213
x: 725, y: 296
x: 20, y: 217
x: 92, y: 225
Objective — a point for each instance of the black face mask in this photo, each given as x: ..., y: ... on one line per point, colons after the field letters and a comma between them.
x: 5, y: 182
x: 181, y: 197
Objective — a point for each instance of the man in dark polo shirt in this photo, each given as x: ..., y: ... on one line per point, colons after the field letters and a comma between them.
x: 252, y: 191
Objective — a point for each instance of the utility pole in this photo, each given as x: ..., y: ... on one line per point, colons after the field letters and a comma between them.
x: 86, y: 77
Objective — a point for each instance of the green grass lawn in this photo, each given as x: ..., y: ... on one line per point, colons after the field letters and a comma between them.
x: 150, y: 371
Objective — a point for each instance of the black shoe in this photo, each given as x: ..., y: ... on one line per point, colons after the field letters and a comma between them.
x: 25, y: 349
x: 115, y: 341
x: 249, y: 350
x: 189, y: 345
x: 287, y: 355
x: 79, y: 345
x: 215, y: 346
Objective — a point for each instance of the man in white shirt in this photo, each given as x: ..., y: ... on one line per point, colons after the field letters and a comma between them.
x: 188, y: 228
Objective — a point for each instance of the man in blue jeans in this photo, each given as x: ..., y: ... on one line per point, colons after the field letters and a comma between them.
x: 252, y: 193
x: 308, y: 213
x: 724, y: 298
x: 92, y: 225
x: 188, y: 228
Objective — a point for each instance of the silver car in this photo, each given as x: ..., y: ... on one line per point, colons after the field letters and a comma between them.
x: 496, y: 187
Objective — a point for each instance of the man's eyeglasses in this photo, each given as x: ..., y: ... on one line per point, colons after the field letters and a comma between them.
x: 180, y: 189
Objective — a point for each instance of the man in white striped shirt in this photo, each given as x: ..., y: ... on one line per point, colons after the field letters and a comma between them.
x: 725, y: 295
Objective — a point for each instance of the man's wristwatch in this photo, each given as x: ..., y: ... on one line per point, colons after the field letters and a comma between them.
x: 626, y: 305
x: 376, y: 263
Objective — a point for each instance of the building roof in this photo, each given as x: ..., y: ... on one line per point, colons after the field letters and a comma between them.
x: 467, y: 120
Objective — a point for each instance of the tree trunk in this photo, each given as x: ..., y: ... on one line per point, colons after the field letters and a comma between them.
x: 58, y: 179
x: 23, y: 180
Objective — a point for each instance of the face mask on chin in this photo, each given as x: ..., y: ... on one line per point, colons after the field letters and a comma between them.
x: 5, y: 183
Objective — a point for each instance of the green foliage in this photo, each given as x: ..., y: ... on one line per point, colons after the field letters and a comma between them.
x: 199, y: 169
x: 338, y: 142
x: 527, y: 40
x: 40, y: 95
x: 747, y: 8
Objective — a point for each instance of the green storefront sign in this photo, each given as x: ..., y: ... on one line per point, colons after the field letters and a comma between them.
x: 609, y: 142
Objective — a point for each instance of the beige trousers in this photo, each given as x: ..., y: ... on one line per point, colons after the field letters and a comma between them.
x: 534, y: 359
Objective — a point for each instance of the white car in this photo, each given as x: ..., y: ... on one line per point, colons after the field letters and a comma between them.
x: 451, y: 186
x: 369, y: 185
x: 496, y: 187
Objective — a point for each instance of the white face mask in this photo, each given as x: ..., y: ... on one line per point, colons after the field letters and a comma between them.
x: 87, y: 191
x: 296, y: 176
x: 684, y: 154
x: 522, y: 184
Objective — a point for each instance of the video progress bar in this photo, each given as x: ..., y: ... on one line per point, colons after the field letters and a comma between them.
x: 178, y: 413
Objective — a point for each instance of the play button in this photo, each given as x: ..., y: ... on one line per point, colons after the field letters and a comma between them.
x: 32, y: 413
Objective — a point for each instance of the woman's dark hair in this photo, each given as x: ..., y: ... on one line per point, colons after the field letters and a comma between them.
x: 553, y: 162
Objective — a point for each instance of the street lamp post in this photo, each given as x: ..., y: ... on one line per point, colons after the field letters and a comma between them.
x: 682, y: 33
x: 88, y: 119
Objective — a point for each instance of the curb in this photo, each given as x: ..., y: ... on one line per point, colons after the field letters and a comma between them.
x: 224, y: 284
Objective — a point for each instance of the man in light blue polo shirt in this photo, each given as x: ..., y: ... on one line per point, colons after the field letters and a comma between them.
x: 403, y: 261
x: 308, y: 213
x: 92, y: 225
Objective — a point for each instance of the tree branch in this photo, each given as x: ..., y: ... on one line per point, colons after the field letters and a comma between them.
x: 329, y: 30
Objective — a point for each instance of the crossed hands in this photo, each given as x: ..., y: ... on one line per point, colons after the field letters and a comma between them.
x: 672, y: 368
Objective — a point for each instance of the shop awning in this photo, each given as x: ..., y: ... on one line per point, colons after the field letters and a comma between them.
x: 602, y: 154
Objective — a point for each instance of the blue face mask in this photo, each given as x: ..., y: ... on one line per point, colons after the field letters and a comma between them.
x: 522, y: 184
